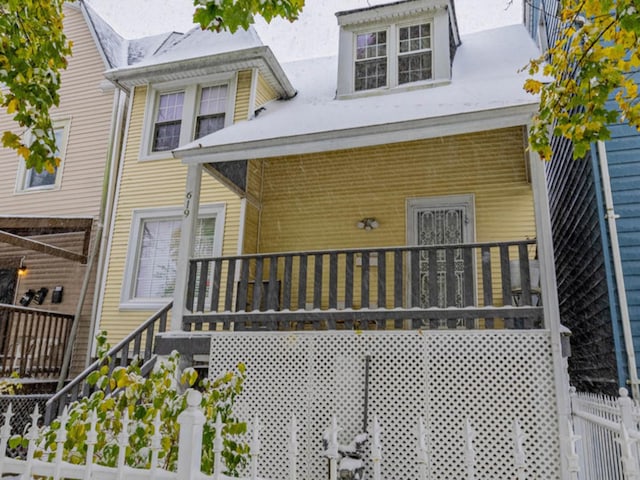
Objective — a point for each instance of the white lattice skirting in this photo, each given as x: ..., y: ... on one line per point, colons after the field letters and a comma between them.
x: 492, y: 378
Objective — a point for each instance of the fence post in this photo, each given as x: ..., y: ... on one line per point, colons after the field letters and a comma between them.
x: 630, y: 467
x: 423, y: 450
x: 376, y: 448
x: 5, y: 434
x: 573, y: 459
x: 331, y: 453
x: 293, y: 448
x: 92, y: 440
x: 254, y: 451
x: 469, y: 452
x: 191, y: 422
x: 123, y: 443
x: 61, y: 437
x: 32, y: 436
x: 519, y: 456
x: 218, y: 446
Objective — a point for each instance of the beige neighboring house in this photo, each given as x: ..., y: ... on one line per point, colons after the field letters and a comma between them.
x: 51, y: 224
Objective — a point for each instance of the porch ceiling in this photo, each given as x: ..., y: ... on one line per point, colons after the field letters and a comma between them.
x: 17, y: 230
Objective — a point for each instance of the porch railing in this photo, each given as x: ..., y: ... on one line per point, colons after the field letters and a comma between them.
x: 139, y: 344
x: 32, y: 341
x: 479, y: 285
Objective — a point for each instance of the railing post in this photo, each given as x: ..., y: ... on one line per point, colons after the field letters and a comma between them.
x: 627, y: 441
x: 423, y: 450
x: 191, y: 423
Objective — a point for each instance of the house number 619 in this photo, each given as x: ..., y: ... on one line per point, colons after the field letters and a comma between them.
x: 187, y: 203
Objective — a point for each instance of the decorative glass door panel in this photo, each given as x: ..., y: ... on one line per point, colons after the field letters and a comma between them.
x: 443, y: 272
x: 441, y: 227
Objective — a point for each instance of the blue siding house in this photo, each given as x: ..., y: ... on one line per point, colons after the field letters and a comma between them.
x: 595, y: 210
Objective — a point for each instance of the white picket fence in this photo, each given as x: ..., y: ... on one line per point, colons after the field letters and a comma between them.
x: 605, y: 437
x: 190, y: 445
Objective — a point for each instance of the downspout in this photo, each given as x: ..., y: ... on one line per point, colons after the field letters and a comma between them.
x: 617, y: 268
x: 106, y: 203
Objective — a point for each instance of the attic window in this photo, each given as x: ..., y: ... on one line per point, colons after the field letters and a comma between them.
x: 371, y: 60
x: 414, y: 53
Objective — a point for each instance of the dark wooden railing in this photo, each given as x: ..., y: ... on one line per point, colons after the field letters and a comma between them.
x: 138, y: 345
x: 32, y: 341
x: 471, y: 287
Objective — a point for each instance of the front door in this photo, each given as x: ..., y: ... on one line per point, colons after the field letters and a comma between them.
x: 442, y: 221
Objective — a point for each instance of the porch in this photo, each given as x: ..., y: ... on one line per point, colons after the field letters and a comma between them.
x: 490, y: 285
x: 33, y: 342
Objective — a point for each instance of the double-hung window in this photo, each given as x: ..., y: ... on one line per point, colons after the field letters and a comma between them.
x: 182, y: 114
x: 30, y: 180
x: 371, y: 60
x: 151, y: 270
x: 391, y: 57
x: 166, y: 130
x: 414, y: 53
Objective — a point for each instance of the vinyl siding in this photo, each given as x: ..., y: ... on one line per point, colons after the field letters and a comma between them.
x: 243, y: 96
x: 146, y: 184
x: 89, y: 109
x: 314, y: 201
x: 623, y: 152
x: 264, y: 92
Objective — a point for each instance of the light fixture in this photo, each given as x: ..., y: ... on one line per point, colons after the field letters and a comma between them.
x: 368, y: 223
x: 22, y: 269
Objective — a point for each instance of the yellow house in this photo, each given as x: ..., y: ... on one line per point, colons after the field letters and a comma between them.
x: 366, y: 232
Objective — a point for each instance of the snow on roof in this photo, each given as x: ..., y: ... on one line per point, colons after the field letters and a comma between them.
x: 142, y: 48
x: 112, y: 44
x: 485, y: 78
x: 201, y: 43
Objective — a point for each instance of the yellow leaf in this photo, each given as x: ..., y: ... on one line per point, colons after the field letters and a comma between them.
x: 12, y: 106
x: 23, y: 151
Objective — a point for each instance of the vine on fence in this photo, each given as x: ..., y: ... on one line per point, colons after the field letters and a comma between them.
x: 161, y: 394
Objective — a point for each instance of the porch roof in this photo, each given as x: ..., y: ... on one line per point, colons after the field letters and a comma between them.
x: 485, y: 92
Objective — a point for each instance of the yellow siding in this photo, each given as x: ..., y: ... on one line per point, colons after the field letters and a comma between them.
x: 314, y: 201
x: 90, y: 111
x: 264, y: 92
x: 157, y: 183
x: 243, y: 96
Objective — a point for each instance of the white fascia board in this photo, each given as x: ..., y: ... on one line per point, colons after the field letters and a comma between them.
x: 363, y: 136
x: 256, y: 57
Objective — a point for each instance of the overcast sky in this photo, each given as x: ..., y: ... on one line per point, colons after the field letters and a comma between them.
x: 138, y: 18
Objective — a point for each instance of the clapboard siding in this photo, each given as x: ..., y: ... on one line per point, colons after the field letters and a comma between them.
x: 147, y: 184
x: 89, y: 110
x: 581, y: 270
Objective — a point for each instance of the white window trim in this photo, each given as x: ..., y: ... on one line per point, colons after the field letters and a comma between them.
x: 127, y: 299
x: 191, y: 91
x: 23, y: 171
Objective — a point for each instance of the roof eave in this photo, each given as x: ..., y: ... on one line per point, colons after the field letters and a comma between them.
x: 256, y: 57
x: 371, y: 135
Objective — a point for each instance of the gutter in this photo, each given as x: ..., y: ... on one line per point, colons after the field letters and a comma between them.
x: 362, y: 136
x: 611, y: 217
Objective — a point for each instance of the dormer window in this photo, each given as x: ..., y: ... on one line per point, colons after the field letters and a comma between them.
x: 371, y: 60
x: 166, y: 132
x: 405, y: 44
x: 211, y: 111
x: 414, y: 53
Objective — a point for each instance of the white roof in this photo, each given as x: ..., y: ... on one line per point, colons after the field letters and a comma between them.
x: 486, y: 82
